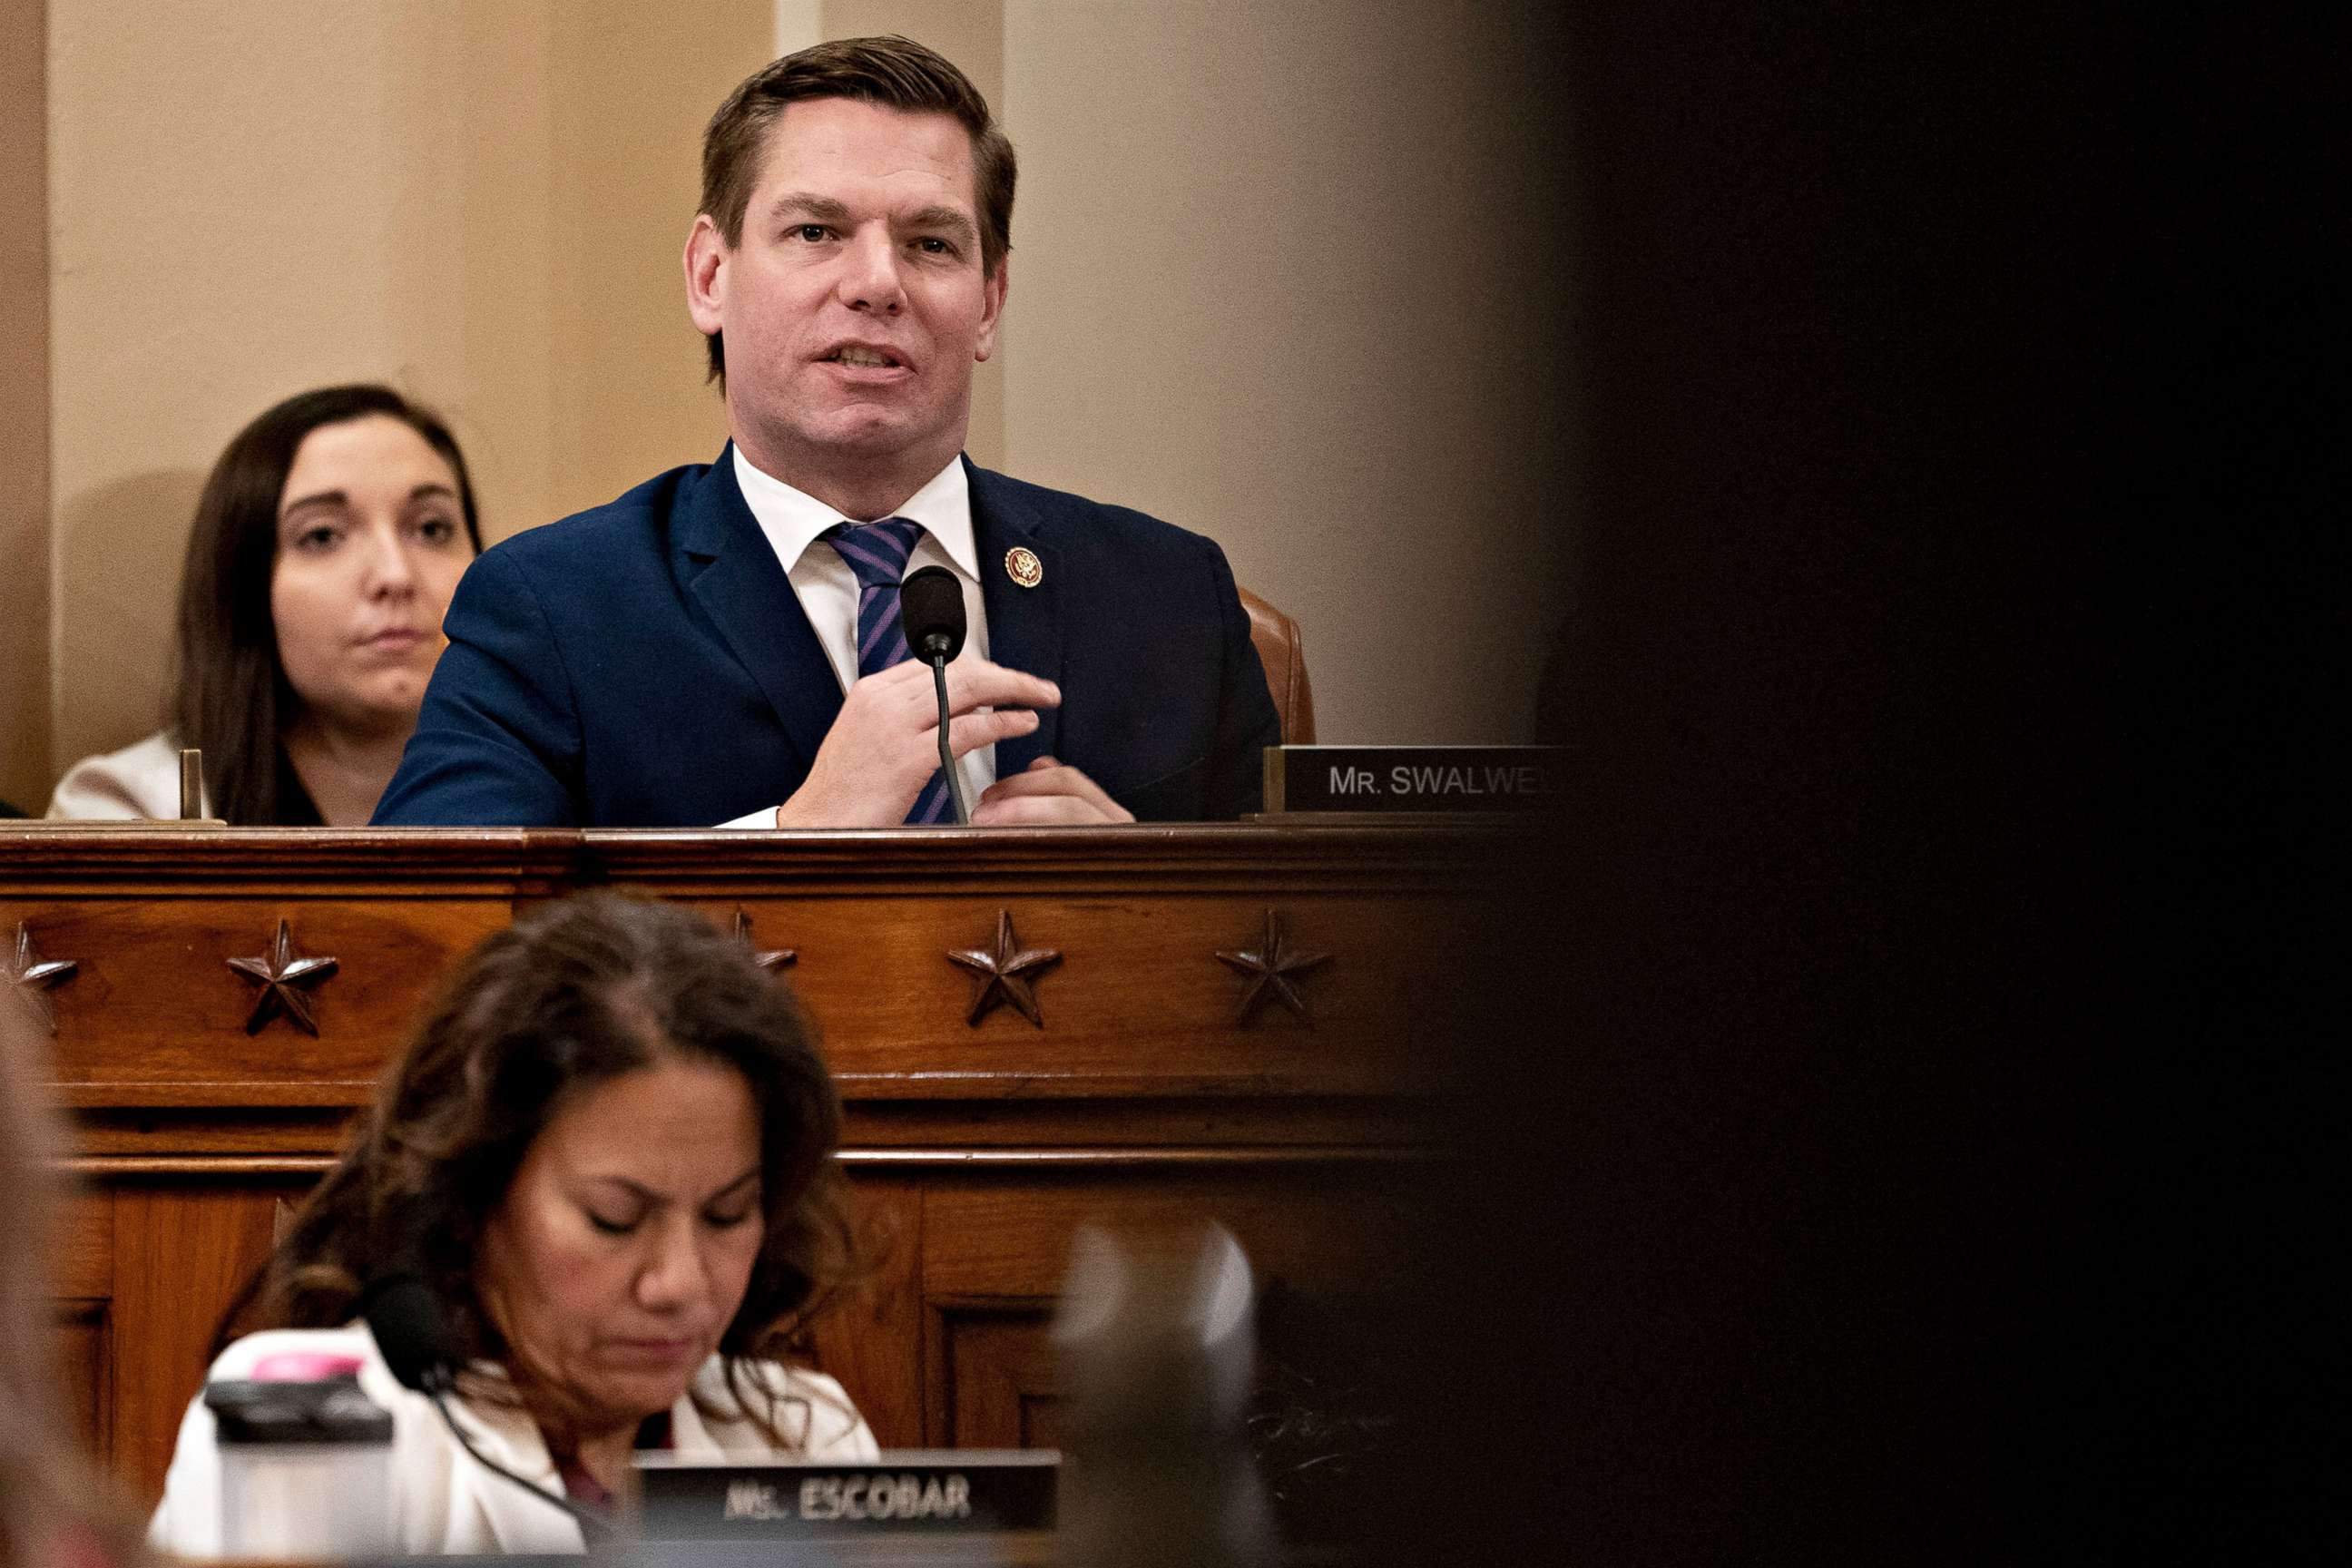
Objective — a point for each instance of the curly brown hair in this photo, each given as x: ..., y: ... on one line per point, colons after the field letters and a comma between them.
x: 576, y: 992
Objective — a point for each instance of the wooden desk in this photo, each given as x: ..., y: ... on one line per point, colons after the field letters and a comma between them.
x: 1146, y: 1095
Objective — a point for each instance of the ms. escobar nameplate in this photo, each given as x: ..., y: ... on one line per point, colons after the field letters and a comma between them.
x: 924, y: 1489
x: 1450, y: 779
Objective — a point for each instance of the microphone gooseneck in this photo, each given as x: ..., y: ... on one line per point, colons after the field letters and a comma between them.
x: 946, y: 755
x: 414, y: 1335
x: 930, y: 612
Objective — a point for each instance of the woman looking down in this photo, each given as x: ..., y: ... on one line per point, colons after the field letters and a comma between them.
x: 609, y: 1152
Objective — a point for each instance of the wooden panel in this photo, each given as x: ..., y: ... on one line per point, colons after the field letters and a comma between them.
x: 155, y: 1006
x: 86, y: 1368
x: 973, y: 1152
x: 995, y: 1387
x: 1139, y: 1006
x: 1302, y: 1222
x: 182, y: 1251
x: 85, y: 1246
x: 204, y: 1132
x: 887, y: 1128
x: 872, y: 1339
x: 1138, y: 1003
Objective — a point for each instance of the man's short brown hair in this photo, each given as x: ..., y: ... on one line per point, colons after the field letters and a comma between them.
x: 895, y: 73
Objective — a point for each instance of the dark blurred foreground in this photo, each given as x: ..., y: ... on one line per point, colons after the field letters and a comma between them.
x: 1849, y: 1126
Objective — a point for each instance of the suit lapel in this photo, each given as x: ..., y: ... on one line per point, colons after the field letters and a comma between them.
x: 1024, y: 624
x: 733, y: 572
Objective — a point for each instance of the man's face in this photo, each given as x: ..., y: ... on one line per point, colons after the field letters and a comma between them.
x: 853, y: 302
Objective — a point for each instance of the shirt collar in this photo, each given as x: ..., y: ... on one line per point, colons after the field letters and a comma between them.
x: 792, y: 519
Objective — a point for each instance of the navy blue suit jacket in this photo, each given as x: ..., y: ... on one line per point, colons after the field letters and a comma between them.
x: 646, y: 664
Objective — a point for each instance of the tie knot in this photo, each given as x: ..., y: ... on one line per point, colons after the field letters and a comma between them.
x: 877, y: 552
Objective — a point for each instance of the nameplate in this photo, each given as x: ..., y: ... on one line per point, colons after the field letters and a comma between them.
x: 926, y: 1489
x: 1419, y: 780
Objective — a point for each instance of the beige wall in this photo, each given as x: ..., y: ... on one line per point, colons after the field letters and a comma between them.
x: 481, y: 203
x: 1259, y: 288
x: 1272, y: 281
x: 24, y: 408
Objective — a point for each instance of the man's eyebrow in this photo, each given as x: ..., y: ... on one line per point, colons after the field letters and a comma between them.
x: 825, y: 209
x: 808, y: 203
x: 940, y: 217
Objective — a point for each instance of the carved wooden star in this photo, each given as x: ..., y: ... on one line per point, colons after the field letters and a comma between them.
x: 769, y: 960
x: 27, y: 969
x: 283, y: 978
x: 1270, y: 969
x: 1000, y: 976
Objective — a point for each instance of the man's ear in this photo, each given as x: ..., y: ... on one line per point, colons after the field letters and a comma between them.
x: 707, y: 255
x: 991, y: 298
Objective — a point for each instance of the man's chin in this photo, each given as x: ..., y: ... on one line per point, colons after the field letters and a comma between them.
x: 868, y: 433
x: 865, y: 443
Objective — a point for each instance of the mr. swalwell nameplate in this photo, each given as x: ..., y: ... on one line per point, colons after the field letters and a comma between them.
x: 927, y: 1490
x: 1417, y: 779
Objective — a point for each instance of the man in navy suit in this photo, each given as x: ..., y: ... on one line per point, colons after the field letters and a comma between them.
x: 690, y: 654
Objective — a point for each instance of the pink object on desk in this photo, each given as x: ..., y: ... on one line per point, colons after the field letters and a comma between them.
x: 305, y: 1367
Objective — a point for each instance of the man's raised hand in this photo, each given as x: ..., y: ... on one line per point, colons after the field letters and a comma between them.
x: 884, y: 743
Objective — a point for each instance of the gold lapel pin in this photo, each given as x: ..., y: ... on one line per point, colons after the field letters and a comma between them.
x: 1021, y: 565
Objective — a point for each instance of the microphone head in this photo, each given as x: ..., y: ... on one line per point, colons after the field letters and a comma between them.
x: 412, y: 1331
x: 930, y: 611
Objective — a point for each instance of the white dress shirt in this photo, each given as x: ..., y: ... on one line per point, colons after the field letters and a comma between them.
x: 827, y: 589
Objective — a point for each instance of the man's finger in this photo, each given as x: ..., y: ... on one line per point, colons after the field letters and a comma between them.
x: 974, y: 730
x: 1053, y: 779
x: 1047, y: 779
x: 1037, y: 811
x: 977, y: 683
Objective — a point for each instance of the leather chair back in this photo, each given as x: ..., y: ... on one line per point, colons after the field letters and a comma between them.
x: 1277, y: 637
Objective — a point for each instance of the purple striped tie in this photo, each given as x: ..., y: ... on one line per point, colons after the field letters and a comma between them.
x: 877, y: 552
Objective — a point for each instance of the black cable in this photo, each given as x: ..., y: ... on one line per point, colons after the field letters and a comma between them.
x: 592, y: 1524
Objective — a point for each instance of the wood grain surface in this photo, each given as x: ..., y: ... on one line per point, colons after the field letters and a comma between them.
x: 1144, y: 1102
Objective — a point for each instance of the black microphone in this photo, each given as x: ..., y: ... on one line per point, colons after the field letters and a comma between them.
x: 931, y: 609
x: 930, y: 612
x: 413, y: 1334
x: 418, y: 1345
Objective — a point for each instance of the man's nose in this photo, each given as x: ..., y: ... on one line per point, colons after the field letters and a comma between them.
x: 870, y: 278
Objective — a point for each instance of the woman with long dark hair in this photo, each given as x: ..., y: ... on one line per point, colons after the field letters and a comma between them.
x: 609, y: 1153
x: 327, y: 539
